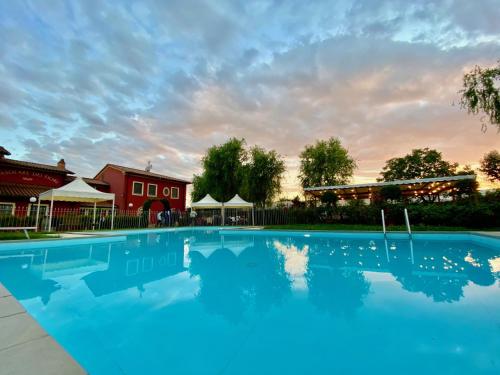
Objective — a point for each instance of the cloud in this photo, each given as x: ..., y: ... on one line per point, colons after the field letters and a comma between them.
x: 126, y: 83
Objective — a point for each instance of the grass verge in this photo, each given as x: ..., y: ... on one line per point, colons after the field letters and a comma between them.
x: 20, y: 235
x: 377, y: 228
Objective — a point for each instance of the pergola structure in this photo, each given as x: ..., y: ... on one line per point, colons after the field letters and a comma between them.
x: 409, y: 188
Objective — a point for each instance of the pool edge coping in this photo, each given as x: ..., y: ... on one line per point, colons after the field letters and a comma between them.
x: 492, y: 234
x: 124, y: 232
x: 45, y: 345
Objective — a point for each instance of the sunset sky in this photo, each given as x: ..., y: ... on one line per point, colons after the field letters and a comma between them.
x: 130, y: 81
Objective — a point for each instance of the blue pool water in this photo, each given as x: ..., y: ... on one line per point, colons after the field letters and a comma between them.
x: 230, y: 302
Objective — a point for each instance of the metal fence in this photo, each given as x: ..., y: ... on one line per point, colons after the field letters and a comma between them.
x: 83, y: 219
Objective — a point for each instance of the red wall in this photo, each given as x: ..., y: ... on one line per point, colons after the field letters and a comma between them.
x: 121, y: 184
x: 116, y: 181
x: 27, y: 177
x: 138, y: 201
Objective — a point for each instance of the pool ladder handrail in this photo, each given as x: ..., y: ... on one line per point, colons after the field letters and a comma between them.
x: 407, y: 221
x: 383, y: 222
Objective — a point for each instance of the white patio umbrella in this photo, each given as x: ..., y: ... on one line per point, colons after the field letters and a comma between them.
x: 76, y: 191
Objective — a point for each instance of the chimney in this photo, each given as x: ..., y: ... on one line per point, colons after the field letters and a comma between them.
x: 61, y: 164
x: 3, y: 152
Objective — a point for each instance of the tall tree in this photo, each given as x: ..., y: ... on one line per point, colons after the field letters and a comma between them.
x: 325, y: 163
x: 263, y: 176
x: 490, y: 166
x: 481, y: 93
x: 222, y: 175
x: 421, y: 163
x: 229, y: 169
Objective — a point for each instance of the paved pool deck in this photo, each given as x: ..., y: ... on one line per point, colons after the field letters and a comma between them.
x: 25, y: 347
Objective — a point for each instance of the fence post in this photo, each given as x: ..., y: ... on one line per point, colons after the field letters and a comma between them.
x: 37, y: 214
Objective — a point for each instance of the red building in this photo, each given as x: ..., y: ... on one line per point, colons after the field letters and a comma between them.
x: 133, y: 187
x: 22, y: 180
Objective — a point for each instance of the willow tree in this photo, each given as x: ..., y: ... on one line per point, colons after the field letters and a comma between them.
x: 222, y: 175
x: 230, y: 168
x: 263, y: 175
x: 481, y: 94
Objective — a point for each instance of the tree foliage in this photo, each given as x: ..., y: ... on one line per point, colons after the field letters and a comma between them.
x: 420, y: 163
x: 481, y: 93
x: 325, y: 163
x: 329, y: 198
x: 490, y: 166
x: 391, y: 193
x: 230, y: 169
x: 465, y: 188
x: 262, y: 176
x: 222, y: 175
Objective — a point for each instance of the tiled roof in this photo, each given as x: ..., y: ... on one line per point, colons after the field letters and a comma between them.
x: 3, y: 151
x: 144, y: 173
x: 35, y: 166
x: 17, y: 190
x: 90, y: 181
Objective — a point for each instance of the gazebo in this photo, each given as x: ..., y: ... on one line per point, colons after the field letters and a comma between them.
x: 207, y: 202
x: 76, y: 191
x: 238, y: 202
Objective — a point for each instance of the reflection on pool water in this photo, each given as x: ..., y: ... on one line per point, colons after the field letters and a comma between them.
x: 201, y: 302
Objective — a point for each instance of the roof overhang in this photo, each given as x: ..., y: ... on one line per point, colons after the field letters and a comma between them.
x: 413, y: 187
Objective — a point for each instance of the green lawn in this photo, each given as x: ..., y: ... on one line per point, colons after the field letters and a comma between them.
x: 377, y: 228
x: 10, y: 235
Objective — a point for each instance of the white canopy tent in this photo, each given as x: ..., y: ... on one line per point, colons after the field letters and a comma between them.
x: 238, y: 202
x: 207, y: 202
x: 76, y: 191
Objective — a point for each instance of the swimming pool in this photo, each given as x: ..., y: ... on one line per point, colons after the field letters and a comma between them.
x: 257, y: 302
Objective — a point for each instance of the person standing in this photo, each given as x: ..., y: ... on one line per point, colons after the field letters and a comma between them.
x: 159, y: 219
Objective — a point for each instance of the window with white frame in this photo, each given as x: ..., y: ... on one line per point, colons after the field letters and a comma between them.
x: 174, y: 193
x: 166, y: 191
x: 7, y: 208
x: 44, y: 209
x: 152, y: 189
x: 137, y: 188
